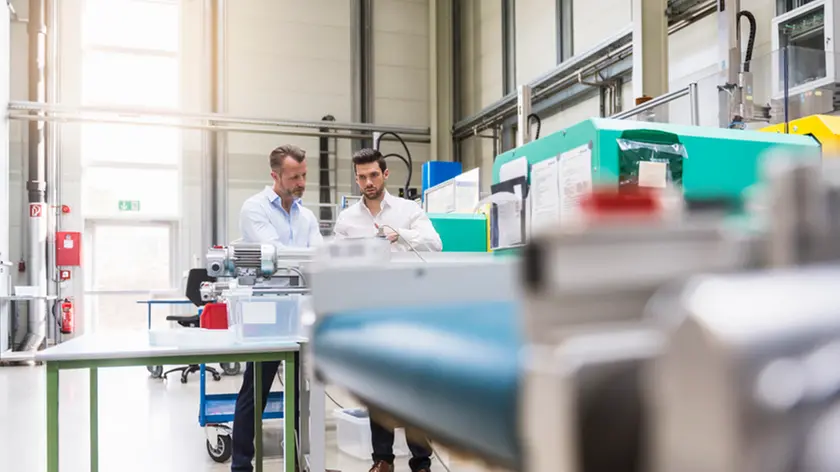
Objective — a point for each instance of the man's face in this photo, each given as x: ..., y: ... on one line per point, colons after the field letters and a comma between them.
x: 371, y: 179
x: 291, y: 180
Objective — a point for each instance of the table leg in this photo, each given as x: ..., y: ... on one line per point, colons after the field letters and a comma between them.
x: 258, y: 434
x: 317, y: 428
x: 290, y: 381
x: 52, y: 417
x: 94, y: 419
x: 149, y: 317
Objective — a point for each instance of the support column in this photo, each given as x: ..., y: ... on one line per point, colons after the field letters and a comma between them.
x: 508, y: 46
x: 361, y: 61
x: 729, y: 53
x: 650, y: 48
x: 5, y: 209
x: 441, y: 78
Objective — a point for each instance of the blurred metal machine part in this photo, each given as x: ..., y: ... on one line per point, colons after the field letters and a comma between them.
x: 748, y: 372
x: 629, y: 359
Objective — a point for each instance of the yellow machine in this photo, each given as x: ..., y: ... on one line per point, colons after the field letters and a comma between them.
x: 824, y: 128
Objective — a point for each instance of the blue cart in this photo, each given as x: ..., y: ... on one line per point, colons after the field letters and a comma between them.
x: 215, y: 412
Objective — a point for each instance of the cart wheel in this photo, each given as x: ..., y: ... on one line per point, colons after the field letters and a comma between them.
x: 155, y: 370
x: 217, y: 377
x: 231, y: 368
x: 223, y: 449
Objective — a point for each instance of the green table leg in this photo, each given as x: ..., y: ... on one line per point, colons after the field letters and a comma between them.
x: 258, y: 438
x: 289, y: 413
x: 94, y: 419
x: 52, y: 417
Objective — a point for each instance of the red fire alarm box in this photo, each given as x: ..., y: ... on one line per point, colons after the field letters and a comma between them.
x: 68, y: 249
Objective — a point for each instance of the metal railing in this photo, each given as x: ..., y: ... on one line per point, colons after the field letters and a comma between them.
x: 690, y: 92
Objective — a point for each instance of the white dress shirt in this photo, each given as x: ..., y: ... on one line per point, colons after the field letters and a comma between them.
x: 396, y: 214
x: 264, y: 220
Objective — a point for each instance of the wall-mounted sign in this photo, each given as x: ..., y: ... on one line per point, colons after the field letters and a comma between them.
x: 129, y: 205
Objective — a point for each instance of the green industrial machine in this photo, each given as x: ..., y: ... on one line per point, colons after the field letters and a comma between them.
x: 707, y: 163
x: 461, y: 232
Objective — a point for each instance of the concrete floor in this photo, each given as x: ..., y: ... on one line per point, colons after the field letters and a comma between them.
x: 145, y: 424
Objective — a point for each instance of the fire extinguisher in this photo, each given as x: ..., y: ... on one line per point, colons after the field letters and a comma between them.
x: 66, y: 321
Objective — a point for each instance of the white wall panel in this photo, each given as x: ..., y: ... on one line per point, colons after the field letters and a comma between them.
x: 536, y: 39
x: 595, y: 21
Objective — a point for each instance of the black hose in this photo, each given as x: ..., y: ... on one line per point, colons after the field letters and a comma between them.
x: 533, y: 116
x: 751, y: 42
x: 406, y: 159
x: 407, y: 164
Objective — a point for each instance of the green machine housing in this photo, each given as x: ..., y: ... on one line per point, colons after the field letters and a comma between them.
x: 461, y: 232
x: 708, y: 163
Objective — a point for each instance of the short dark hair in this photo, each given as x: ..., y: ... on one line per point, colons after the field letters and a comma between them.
x: 280, y: 153
x: 368, y: 155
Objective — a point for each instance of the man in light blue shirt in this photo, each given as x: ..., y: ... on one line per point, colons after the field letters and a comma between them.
x: 275, y: 215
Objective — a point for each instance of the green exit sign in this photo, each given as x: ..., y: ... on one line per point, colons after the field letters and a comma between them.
x: 129, y: 205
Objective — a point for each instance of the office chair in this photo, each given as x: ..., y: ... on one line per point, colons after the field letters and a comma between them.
x: 193, y: 293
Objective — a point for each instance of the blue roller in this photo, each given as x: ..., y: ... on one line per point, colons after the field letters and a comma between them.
x: 450, y: 370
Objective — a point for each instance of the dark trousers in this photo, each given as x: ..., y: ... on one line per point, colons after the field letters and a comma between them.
x: 383, y: 448
x: 243, y: 416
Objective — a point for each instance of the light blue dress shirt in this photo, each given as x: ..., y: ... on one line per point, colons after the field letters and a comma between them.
x: 264, y: 220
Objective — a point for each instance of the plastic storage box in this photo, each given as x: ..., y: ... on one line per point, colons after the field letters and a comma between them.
x: 353, y: 433
x: 264, y: 317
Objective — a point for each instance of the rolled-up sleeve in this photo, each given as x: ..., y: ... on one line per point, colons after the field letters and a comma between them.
x: 256, y: 227
x: 421, y: 234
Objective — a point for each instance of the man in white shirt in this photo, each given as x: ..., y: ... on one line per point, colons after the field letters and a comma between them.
x: 402, y: 221
x: 406, y: 225
x: 275, y: 215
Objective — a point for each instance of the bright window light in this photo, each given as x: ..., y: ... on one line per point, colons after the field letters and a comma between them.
x: 119, y: 79
x: 135, y: 24
x: 124, y: 144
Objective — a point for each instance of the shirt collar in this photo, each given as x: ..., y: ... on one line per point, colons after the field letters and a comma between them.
x: 272, y: 197
x: 387, y: 200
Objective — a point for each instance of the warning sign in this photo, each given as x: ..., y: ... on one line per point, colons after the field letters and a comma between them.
x: 36, y: 210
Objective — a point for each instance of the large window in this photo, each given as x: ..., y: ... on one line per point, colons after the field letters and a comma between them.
x: 131, y: 177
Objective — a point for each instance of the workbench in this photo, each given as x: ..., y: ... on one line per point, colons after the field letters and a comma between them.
x: 96, y: 351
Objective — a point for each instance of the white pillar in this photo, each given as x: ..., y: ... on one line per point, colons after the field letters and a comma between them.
x: 650, y: 48
x: 5, y: 274
x: 523, y: 110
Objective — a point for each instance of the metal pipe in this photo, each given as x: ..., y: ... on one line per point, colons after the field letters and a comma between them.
x: 651, y: 104
x: 5, y: 209
x: 36, y: 185
x: 218, y: 118
x: 232, y: 129
x: 694, y: 103
x: 52, y: 163
x: 222, y: 160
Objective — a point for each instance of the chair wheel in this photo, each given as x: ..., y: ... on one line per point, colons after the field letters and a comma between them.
x: 217, y: 377
x: 222, y: 450
x: 156, y: 371
x: 231, y: 368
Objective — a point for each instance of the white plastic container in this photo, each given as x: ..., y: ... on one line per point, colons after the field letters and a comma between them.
x: 353, y: 434
x: 263, y: 317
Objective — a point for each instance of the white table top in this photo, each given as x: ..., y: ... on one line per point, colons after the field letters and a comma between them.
x: 131, y: 345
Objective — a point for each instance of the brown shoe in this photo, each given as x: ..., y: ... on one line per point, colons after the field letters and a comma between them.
x: 382, y: 466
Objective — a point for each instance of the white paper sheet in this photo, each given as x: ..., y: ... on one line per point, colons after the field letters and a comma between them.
x: 653, y: 174
x: 509, y: 223
x: 544, y: 194
x: 574, y: 178
x: 513, y: 169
